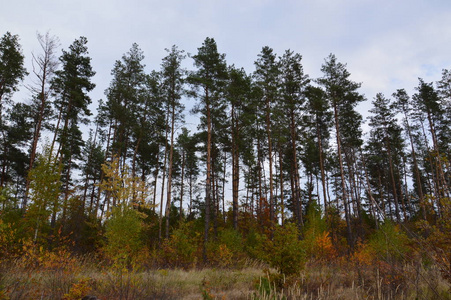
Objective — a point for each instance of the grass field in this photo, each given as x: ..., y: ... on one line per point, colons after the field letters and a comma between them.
x: 78, y: 277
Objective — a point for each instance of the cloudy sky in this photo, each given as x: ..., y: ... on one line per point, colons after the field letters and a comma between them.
x: 386, y: 44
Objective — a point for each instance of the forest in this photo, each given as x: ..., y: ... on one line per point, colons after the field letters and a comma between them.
x: 279, y: 193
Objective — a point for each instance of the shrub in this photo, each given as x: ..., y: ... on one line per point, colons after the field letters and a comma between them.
x: 180, y: 249
x: 227, y: 249
x: 322, y: 247
x: 389, y: 243
x: 79, y: 289
x: 123, y: 232
x: 285, y: 251
x: 254, y: 245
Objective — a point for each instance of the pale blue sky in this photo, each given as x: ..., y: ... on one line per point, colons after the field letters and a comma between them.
x: 386, y: 44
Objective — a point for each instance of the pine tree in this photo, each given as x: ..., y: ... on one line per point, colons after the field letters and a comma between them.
x: 238, y: 95
x: 293, y: 86
x: 402, y: 103
x: 342, y: 94
x: 71, y: 87
x: 12, y: 72
x: 444, y: 89
x: 187, y: 145
x: 207, y: 85
x: 267, y: 79
x: 92, y: 171
x: 45, y: 65
x: 429, y: 107
x: 173, y: 80
x: 123, y: 101
x: 321, y: 121
x: 385, y: 135
x: 16, y: 134
x: 135, y: 116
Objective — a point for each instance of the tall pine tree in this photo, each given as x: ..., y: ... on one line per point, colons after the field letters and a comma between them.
x: 72, y: 85
x: 207, y: 84
x: 343, y: 97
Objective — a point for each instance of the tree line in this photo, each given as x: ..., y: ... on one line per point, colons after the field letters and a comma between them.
x: 288, y: 143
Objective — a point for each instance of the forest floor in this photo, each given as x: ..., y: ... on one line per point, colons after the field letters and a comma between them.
x: 81, y: 277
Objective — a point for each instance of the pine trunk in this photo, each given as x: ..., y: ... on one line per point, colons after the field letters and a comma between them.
x: 208, y: 179
x: 342, y: 175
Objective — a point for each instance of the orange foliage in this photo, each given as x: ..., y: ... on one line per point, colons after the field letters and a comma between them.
x: 364, y: 255
x: 263, y: 216
x: 38, y: 257
x: 221, y: 256
x: 323, y: 249
x: 78, y: 290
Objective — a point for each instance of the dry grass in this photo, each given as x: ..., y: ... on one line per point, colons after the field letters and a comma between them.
x: 320, y: 281
x: 17, y: 282
x: 317, y: 281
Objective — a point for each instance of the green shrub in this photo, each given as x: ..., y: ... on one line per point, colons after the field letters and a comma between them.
x: 227, y: 249
x: 123, y: 233
x: 389, y: 243
x: 285, y: 251
x: 254, y: 244
x: 180, y: 249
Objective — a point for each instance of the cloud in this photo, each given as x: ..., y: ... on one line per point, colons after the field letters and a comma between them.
x: 386, y: 44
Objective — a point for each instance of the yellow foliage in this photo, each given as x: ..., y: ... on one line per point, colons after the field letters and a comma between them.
x: 123, y: 188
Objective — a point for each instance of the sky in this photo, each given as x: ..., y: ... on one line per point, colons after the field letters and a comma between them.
x: 386, y: 44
